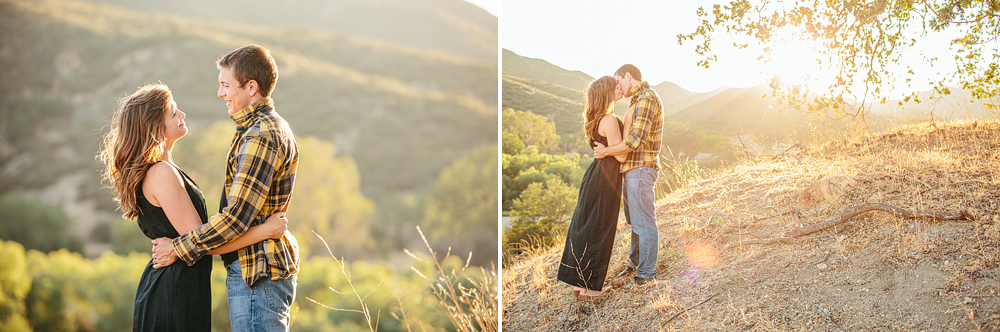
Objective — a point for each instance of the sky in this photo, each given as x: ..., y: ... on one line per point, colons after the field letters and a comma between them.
x: 491, y: 6
x: 597, y: 37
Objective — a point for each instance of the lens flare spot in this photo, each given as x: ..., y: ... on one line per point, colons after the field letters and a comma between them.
x: 701, y: 255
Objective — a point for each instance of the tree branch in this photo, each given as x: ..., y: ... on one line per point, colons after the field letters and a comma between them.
x: 689, y: 308
x: 851, y: 212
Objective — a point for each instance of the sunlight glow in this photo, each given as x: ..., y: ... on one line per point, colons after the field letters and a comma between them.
x: 795, y: 61
x: 701, y: 255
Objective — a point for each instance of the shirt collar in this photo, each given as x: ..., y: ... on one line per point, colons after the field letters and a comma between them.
x: 634, y: 91
x: 243, y: 116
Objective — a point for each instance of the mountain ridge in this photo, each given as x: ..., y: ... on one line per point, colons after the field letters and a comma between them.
x: 378, y: 101
x: 438, y: 19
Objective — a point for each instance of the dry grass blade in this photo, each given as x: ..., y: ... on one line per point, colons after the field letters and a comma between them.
x: 968, y: 312
x: 402, y: 311
x: 469, y: 309
x: 689, y: 308
x: 361, y: 300
x: 332, y: 308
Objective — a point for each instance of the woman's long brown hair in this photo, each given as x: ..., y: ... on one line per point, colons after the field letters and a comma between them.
x: 134, y: 143
x: 598, y: 102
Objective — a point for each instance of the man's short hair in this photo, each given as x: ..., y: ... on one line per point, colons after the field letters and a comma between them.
x: 252, y: 62
x: 631, y: 69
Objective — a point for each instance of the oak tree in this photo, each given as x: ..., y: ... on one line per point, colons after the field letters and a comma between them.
x: 863, y: 44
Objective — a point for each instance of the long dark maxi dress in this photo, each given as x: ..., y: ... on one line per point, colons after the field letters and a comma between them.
x: 177, y: 297
x: 591, y: 232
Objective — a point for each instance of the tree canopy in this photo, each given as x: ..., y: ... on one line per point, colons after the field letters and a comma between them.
x: 531, y: 128
x: 863, y: 44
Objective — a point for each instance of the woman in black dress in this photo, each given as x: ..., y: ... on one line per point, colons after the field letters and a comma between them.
x: 592, y: 230
x: 166, y: 203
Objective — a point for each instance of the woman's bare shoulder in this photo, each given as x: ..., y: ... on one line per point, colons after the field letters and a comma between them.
x: 162, y: 173
x: 609, y: 120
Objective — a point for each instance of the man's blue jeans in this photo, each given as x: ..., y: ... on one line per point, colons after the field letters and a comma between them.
x: 645, y: 237
x: 263, y: 307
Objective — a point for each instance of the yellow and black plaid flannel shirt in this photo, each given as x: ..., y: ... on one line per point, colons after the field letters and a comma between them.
x: 647, y: 129
x: 260, y: 173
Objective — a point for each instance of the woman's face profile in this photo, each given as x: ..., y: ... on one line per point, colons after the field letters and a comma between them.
x: 173, y: 122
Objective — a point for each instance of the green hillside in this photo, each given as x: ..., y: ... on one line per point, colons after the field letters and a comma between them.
x: 538, y: 69
x: 958, y: 104
x: 558, y: 103
x: 745, y: 112
x: 676, y: 98
x: 563, y: 105
x: 736, y: 110
x: 393, y: 115
x: 455, y: 27
x: 383, y: 103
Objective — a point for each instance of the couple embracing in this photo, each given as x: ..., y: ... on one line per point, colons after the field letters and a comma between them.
x: 625, y: 167
x: 250, y: 231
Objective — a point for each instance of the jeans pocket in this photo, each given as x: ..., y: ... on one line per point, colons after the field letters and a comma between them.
x: 233, y: 270
x: 649, y: 175
x: 279, y: 295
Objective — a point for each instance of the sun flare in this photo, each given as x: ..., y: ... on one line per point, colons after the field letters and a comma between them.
x: 795, y: 61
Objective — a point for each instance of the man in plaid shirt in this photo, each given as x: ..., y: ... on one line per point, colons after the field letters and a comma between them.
x: 260, y: 173
x: 641, y: 167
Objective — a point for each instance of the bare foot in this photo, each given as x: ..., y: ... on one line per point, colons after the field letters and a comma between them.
x: 586, y: 293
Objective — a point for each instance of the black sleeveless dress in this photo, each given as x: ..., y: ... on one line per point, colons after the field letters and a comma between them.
x: 177, y: 297
x: 591, y: 232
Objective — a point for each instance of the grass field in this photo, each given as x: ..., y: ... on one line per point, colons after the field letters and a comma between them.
x: 728, y: 261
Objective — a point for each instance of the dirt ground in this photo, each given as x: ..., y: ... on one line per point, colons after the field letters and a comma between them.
x: 727, y: 263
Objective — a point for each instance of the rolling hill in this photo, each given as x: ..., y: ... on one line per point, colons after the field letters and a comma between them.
x: 534, y: 71
x: 541, y: 70
x: 725, y: 111
x: 454, y: 27
x: 370, y: 97
x: 558, y: 103
x: 958, y: 104
x: 402, y: 112
x: 733, y: 254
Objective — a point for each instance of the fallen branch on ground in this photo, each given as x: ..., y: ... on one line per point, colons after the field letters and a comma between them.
x: 689, y: 308
x: 851, y: 212
x: 796, y: 145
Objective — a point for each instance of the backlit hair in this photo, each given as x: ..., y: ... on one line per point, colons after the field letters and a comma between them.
x: 598, y: 103
x: 631, y: 69
x: 252, y: 62
x: 134, y: 143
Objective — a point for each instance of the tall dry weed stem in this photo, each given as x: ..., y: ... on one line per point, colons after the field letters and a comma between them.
x: 361, y: 300
x: 469, y: 308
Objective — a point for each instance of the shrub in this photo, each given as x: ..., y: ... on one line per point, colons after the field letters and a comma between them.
x: 35, y: 225
x: 461, y: 208
x: 512, y: 144
x: 542, y: 211
x: 14, y: 287
x: 532, y: 129
x: 126, y: 238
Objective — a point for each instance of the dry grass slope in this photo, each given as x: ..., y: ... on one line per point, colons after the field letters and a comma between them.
x: 874, y: 272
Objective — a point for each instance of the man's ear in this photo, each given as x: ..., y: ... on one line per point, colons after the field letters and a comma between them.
x: 254, y: 88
